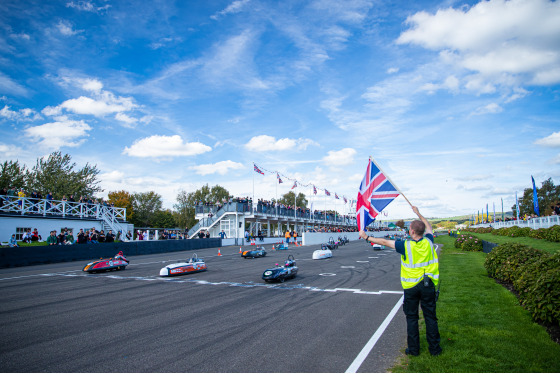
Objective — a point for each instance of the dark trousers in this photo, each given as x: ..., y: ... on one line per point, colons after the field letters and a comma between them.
x: 425, y: 296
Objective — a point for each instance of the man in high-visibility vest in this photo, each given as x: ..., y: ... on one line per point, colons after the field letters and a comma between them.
x: 287, y: 235
x: 419, y: 279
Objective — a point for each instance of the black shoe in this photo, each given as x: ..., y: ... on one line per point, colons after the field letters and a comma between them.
x: 409, y: 353
x: 437, y: 353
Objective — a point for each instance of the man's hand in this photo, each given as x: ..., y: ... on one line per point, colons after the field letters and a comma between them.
x: 415, y: 210
x: 363, y: 235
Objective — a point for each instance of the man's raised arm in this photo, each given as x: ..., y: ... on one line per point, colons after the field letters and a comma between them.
x: 424, y: 220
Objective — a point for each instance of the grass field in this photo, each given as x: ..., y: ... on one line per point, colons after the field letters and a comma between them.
x: 544, y: 245
x: 482, y: 326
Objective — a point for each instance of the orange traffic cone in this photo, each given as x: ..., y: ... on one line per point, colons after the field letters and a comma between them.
x: 273, y: 247
x: 219, y: 254
x: 240, y: 251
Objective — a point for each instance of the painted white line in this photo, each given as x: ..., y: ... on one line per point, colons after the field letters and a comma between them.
x: 362, y: 261
x: 327, y: 274
x: 353, y: 368
x: 373, y: 257
x: 347, y: 267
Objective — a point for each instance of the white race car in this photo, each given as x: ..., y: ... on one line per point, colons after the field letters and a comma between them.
x: 193, y: 265
x: 322, y: 253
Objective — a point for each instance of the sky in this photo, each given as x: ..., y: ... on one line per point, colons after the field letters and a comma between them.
x: 457, y: 101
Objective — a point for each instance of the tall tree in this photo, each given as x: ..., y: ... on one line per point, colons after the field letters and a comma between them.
x: 288, y: 199
x: 548, y: 195
x: 184, y: 212
x: 57, y: 174
x: 122, y: 199
x: 12, y: 174
x: 164, y: 219
x: 186, y: 202
x: 145, y: 206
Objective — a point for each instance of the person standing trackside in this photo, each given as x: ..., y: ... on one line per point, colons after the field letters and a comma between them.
x: 287, y: 235
x: 419, y: 279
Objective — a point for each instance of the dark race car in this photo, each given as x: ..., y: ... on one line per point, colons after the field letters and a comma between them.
x: 332, y: 244
x: 252, y: 253
x: 118, y: 262
x: 281, y: 273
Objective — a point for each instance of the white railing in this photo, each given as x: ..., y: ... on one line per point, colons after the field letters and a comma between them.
x: 44, y: 207
x: 534, y: 223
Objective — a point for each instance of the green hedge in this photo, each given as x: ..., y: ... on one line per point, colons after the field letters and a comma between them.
x: 468, y: 242
x: 551, y: 234
x: 535, y: 275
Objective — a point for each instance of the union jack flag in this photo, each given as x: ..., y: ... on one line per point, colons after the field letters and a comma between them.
x: 314, y: 190
x: 376, y: 192
x: 279, y: 179
x: 345, y: 199
x: 257, y: 169
x: 295, y: 185
x: 327, y: 193
x: 336, y: 196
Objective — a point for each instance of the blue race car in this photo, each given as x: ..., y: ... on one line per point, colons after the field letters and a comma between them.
x: 252, y: 253
x: 281, y: 273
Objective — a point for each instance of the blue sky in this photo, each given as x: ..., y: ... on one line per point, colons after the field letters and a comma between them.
x: 459, y: 102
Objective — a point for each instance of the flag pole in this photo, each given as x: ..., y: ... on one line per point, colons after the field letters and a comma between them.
x: 389, y: 179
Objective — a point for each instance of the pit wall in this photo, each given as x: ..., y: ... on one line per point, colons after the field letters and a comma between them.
x: 35, y: 255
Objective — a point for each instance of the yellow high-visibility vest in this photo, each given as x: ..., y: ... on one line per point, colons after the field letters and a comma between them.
x: 421, y: 258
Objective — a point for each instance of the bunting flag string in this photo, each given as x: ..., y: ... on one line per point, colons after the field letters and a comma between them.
x: 282, y: 177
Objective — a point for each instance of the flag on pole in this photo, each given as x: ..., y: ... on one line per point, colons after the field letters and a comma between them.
x: 257, y: 169
x: 345, y: 199
x: 487, y: 216
x: 314, y: 190
x: 336, y: 196
x: 327, y: 193
x: 503, y: 219
x: 535, y: 198
x: 517, y: 205
x: 279, y: 179
x: 494, y: 205
x: 295, y: 185
x: 376, y: 192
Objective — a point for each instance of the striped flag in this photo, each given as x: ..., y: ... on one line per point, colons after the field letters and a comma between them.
x: 279, y: 179
x: 257, y: 169
x: 376, y: 192
x: 336, y: 196
x: 295, y: 185
x: 314, y: 190
x: 327, y: 193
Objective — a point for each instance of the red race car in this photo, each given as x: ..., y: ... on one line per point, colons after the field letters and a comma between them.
x: 118, y: 262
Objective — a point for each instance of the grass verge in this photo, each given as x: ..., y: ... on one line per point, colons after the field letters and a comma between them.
x: 544, y: 245
x: 482, y: 326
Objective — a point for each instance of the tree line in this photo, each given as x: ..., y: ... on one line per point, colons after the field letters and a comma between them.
x: 57, y: 174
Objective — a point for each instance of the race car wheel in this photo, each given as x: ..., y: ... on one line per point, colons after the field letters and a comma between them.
x: 282, y: 279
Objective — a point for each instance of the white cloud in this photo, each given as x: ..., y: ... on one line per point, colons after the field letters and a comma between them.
x: 105, y: 103
x: 128, y: 121
x: 55, y: 135
x: 114, y: 176
x: 92, y: 85
x: 9, y: 86
x: 165, y: 146
x: 9, y: 150
x: 22, y: 114
x: 52, y: 111
x: 222, y: 167
x: 392, y: 70
x: 495, y: 38
x: 491, y: 108
x: 235, y: 7
x: 553, y: 140
x: 340, y: 158
x: 266, y: 143
x: 65, y: 28
x: 87, y: 6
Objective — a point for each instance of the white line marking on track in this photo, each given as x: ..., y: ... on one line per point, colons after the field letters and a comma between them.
x: 373, y: 257
x: 362, y: 261
x: 283, y: 286
x: 327, y: 274
x: 353, y: 368
x: 347, y: 267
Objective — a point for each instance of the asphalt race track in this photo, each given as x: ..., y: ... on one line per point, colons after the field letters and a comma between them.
x: 56, y: 318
